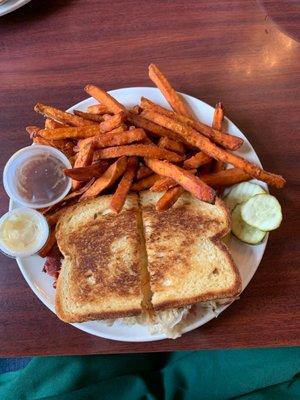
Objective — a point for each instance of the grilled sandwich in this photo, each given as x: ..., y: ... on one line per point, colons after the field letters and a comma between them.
x: 141, y: 262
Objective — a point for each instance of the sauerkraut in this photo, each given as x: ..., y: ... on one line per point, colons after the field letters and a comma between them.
x: 172, y: 322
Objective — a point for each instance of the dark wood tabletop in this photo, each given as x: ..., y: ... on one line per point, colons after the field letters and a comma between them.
x: 221, y: 50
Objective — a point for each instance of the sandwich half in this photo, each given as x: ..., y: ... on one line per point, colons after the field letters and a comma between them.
x: 101, y: 274
x: 186, y: 259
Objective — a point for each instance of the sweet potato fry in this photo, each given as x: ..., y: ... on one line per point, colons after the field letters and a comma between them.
x: 108, y: 116
x: 72, y: 159
x: 123, y: 188
x: 197, y: 160
x: 151, y: 127
x: 218, y: 117
x: 173, y: 98
x: 66, y: 146
x: 86, y: 173
x: 204, y: 144
x: 188, y: 181
x: 172, y: 145
x: 136, y: 109
x: 63, y: 117
x: 54, y: 217
x: 219, y: 166
x: 230, y: 142
x: 227, y: 177
x: 107, y: 179
x: 89, y: 116
x: 103, y: 97
x: 84, y: 158
x: 51, y: 124
x: 48, y: 245
x: 33, y: 131
x: 122, y: 128
x: 226, y: 140
x: 145, y: 183
x: 165, y: 183
x: 78, y: 192
x: 173, y: 192
x: 118, y: 139
x: 141, y: 150
x: 143, y: 172
x: 70, y: 132
x: 83, y: 142
x: 112, y: 122
x: 97, y: 109
x: 217, y: 124
x: 69, y: 199
x: 169, y: 198
x: 114, y: 138
x: 40, y: 140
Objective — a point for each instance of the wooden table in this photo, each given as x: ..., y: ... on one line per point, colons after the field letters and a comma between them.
x: 221, y: 50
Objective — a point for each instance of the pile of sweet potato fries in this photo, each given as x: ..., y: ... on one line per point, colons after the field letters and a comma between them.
x: 116, y: 150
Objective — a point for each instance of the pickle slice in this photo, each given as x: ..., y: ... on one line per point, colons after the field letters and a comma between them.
x: 242, y: 230
x: 242, y: 192
x: 262, y: 211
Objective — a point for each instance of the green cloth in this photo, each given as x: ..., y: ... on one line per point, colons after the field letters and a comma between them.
x: 216, y: 374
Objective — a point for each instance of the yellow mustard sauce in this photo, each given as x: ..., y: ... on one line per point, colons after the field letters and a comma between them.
x: 20, y: 231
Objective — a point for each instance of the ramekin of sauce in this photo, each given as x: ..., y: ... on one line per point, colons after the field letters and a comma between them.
x: 34, y: 176
x: 23, y: 232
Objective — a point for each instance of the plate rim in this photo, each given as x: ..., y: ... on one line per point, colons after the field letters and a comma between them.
x: 12, y: 7
x: 160, y: 336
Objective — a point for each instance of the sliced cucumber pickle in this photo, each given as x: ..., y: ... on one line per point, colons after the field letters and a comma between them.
x: 242, y: 230
x: 242, y: 192
x: 262, y: 211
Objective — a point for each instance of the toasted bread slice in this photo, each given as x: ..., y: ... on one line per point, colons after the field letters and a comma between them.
x: 103, y: 256
x: 187, y: 261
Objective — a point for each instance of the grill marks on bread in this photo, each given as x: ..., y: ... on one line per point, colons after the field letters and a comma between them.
x: 100, y: 261
x: 101, y: 272
x: 186, y: 259
x: 180, y: 226
x: 120, y: 265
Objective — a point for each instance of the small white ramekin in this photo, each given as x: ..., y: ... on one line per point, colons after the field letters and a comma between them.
x: 11, y: 169
x: 43, y: 235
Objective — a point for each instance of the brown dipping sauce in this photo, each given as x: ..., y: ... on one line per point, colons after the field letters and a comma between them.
x: 41, y: 178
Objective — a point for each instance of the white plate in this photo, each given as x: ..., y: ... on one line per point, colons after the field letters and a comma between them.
x: 11, y: 5
x: 247, y: 257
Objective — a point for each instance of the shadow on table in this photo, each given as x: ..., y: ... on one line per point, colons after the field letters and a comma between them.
x: 285, y: 14
x: 33, y: 10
